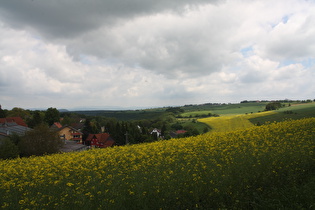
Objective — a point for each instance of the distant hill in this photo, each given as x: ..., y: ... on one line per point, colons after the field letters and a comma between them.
x: 194, y: 111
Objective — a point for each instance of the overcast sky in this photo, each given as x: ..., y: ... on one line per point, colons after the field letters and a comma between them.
x: 145, y: 53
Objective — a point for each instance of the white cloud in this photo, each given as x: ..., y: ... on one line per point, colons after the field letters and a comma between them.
x: 155, y: 53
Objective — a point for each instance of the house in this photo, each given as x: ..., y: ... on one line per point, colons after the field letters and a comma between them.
x: 180, y: 132
x: 79, y: 126
x: 69, y: 133
x: 12, y: 125
x: 101, y: 140
x: 17, y: 120
x: 56, y: 126
x: 175, y: 134
x: 156, y: 131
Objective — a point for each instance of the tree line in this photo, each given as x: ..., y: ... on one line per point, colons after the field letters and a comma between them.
x: 42, y: 140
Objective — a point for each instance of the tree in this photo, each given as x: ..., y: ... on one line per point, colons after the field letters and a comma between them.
x: 35, y: 120
x: 175, y: 110
x: 19, y: 112
x: 39, y: 141
x: 67, y: 120
x: 2, y: 113
x: 15, y: 138
x: 273, y: 106
x: 52, y: 115
x: 8, y: 149
x: 163, y: 130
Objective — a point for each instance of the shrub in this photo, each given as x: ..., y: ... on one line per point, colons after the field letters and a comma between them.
x: 8, y: 149
x: 39, y: 141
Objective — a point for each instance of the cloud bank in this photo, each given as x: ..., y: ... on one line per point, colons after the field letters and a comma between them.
x: 154, y: 53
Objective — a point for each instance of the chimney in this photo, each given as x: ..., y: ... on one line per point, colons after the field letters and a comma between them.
x: 103, y: 129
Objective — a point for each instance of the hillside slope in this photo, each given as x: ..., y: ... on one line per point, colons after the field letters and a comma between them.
x: 269, y: 167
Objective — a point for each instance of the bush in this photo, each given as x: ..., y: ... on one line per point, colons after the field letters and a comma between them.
x: 8, y: 149
x: 273, y: 106
x: 40, y: 141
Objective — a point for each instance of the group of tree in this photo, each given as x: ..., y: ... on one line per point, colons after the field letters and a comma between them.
x: 33, y: 117
x: 42, y: 140
x: 273, y: 106
x: 39, y: 141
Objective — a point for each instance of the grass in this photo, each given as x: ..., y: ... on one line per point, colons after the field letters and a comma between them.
x: 294, y: 112
x: 200, y: 126
x: 261, y: 167
x: 225, y: 109
x: 240, y: 121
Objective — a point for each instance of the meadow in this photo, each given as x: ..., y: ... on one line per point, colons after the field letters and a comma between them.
x: 224, y: 109
x: 259, y: 167
x: 296, y: 111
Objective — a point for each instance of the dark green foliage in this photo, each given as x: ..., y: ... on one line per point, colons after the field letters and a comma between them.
x: 15, y: 139
x: 67, y: 120
x: 273, y: 106
x: 52, y: 115
x: 39, y: 141
x: 19, y: 112
x: 292, y: 112
x: 8, y: 149
x: 123, y: 115
x: 2, y: 113
x: 177, y: 126
x: 35, y: 119
x: 175, y: 110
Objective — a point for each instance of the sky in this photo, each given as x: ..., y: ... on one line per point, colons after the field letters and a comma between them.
x: 77, y: 54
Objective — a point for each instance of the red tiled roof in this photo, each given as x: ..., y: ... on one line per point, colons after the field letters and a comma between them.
x: 180, y: 131
x: 77, y: 125
x: 103, y: 139
x: 17, y: 120
x: 57, y: 124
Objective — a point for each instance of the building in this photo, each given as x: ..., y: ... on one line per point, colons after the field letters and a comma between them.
x: 17, y: 120
x: 67, y: 132
x: 156, y: 132
x: 101, y: 140
x: 13, y: 125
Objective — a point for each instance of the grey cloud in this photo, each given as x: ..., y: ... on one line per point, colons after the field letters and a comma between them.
x: 72, y: 17
x: 168, y: 44
x: 157, y: 53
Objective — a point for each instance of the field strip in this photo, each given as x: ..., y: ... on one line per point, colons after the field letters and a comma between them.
x: 232, y: 122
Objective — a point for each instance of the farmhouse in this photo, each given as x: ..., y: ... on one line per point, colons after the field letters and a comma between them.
x: 68, y: 132
x: 101, y: 140
x: 156, y: 131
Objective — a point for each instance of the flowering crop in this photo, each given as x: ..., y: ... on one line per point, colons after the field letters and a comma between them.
x: 232, y: 122
x: 247, y: 168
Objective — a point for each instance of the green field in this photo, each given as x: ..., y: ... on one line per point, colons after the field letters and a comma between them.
x: 224, y: 109
x: 297, y: 111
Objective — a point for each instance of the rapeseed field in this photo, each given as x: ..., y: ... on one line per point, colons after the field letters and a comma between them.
x: 232, y: 122
x: 261, y: 167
